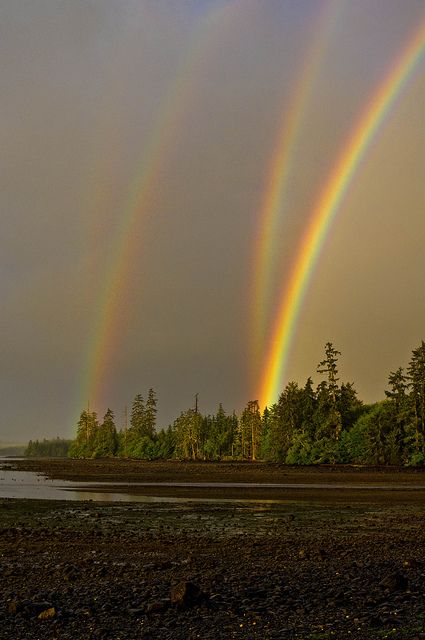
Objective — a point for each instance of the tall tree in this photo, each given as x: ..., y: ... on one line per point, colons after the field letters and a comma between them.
x: 349, y: 406
x: 416, y: 378
x: 106, y: 443
x: 330, y: 390
x: 308, y: 409
x: 285, y: 419
x: 84, y: 444
x: 250, y: 427
x: 401, y: 411
x: 187, y: 430
x: 149, y: 418
x: 137, y: 418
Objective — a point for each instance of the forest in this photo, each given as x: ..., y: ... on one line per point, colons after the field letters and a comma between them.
x: 308, y: 424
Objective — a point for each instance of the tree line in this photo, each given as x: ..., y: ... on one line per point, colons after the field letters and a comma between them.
x: 308, y: 424
x: 48, y: 448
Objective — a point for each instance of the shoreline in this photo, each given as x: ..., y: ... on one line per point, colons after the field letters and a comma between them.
x: 237, y: 480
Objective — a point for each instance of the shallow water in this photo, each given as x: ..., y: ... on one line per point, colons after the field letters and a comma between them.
x: 28, y: 484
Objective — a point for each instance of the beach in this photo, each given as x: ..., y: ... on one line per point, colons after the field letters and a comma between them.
x: 306, y: 563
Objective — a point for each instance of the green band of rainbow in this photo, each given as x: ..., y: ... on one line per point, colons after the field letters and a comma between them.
x: 325, y: 212
x: 274, y: 200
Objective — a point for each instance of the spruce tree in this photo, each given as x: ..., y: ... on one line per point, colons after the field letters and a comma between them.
x: 250, y: 430
x: 149, y: 418
x: 416, y: 378
x: 106, y: 440
x: 330, y: 390
x: 137, y: 418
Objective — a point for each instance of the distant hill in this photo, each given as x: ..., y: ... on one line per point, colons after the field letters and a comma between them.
x: 9, y: 449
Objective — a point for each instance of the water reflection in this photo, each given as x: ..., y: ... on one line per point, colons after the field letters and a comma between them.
x: 28, y: 484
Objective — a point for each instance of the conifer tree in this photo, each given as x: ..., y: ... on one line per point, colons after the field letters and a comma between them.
x: 187, y: 429
x: 330, y: 390
x: 106, y: 443
x: 149, y: 417
x: 416, y: 378
x: 84, y: 444
x: 250, y: 430
x: 285, y: 419
x: 137, y: 418
x: 400, y: 407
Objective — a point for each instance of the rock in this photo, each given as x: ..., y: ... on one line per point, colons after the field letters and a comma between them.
x: 185, y: 594
x: 395, y: 581
x: 71, y: 573
x: 157, y: 607
x: 14, y: 606
x: 34, y: 608
x: 47, y: 614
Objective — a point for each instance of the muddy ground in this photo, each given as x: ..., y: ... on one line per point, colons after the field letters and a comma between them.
x: 319, y: 564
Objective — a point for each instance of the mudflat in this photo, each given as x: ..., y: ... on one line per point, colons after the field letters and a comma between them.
x: 326, y: 483
x: 305, y: 563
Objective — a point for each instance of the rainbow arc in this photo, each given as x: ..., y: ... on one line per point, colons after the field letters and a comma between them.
x: 109, y: 317
x: 326, y: 210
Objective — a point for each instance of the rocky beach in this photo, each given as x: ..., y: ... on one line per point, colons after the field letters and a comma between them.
x: 330, y: 557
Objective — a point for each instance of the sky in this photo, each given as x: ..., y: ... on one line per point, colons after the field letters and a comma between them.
x: 144, y: 242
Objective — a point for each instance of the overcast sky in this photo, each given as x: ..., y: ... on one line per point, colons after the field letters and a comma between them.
x: 98, y: 94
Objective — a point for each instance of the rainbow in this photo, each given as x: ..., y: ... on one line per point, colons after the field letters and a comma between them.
x: 112, y: 301
x: 279, y: 173
x: 326, y: 210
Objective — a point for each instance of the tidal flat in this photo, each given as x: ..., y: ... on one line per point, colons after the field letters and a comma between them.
x: 269, y: 563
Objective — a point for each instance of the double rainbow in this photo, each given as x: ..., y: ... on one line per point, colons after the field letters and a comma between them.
x: 273, y: 205
x: 327, y: 208
x: 112, y: 304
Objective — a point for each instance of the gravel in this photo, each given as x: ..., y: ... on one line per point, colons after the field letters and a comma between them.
x: 191, y: 570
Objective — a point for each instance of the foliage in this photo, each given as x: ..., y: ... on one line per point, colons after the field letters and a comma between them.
x: 106, y: 439
x: 329, y: 396
x: 53, y: 448
x: 308, y: 424
x: 84, y: 444
x: 250, y: 427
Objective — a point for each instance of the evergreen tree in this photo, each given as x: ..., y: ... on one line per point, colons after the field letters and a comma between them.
x: 84, y: 444
x: 397, y: 382
x: 285, y: 420
x: 149, y: 418
x: 137, y: 418
x: 380, y: 435
x: 48, y: 448
x: 233, y: 434
x: 416, y: 377
x: 349, y: 406
x: 106, y: 444
x: 329, y: 391
x: 187, y: 429
x: 266, y: 445
x: 308, y: 404
x: 217, y: 435
x: 165, y: 444
x: 400, y: 408
x: 250, y: 430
